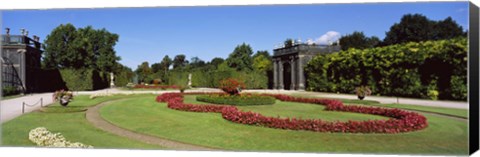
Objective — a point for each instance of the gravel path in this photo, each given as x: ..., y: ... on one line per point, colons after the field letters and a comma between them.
x: 93, y: 116
x: 381, y: 99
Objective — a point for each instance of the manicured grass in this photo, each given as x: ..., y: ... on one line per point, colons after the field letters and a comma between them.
x: 298, y: 110
x: 442, y: 110
x: 237, y: 100
x: 72, y: 125
x: 443, y: 136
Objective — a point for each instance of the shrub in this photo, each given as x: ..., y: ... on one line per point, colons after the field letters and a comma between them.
x: 9, y: 90
x: 459, y: 87
x: 231, y: 86
x: 402, y: 121
x: 237, y: 100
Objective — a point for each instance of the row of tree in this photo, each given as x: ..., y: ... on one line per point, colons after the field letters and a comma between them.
x: 411, y: 28
x: 240, y: 60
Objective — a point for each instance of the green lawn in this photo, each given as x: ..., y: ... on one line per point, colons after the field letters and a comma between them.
x: 71, y: 123
x: 443, y: 136
x: 442, y: 110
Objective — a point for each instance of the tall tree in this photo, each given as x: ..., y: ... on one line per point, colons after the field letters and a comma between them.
x: 179, y: 61
x: 68, y: 47
x: 105, y: 57
x: 59, y: 46
x: 240, y: 58
x: 417, y: 28
x: 156, y: 67
x: 262, y: 63
x: 358, y: 40
x: 264, y: 53
x: 196, y: 62
x: 165, y: 64
x: 216, y: 61
x: 144, y: 71
x: 447, y: 29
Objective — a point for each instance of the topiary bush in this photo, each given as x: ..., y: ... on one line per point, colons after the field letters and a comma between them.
x: 237, y: 100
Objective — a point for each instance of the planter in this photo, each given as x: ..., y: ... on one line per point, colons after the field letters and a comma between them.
x: 360, y: 97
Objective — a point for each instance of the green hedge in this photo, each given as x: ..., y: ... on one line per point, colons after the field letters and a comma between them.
x: 211, y: 78
x: 84, y: 79
x: 9, y: 90
x: 237, y: 100
x: 407, y: 70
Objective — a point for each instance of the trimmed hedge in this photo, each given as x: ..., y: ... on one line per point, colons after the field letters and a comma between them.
x: 413, y: 69
x: 9, y: 90
x: 84, y: 79
x: 237, y: 100
x: 402, y: 121
x: 211, y: 78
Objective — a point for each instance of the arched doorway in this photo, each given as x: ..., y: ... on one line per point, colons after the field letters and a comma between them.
x: 287, y: 72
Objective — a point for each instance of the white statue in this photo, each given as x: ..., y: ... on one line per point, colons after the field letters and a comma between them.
x: 112, y: 83
x: 190, y: 80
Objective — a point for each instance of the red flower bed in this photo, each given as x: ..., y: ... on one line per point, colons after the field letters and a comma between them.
x: 401, y: 121
x: 231, y: 86
x: 156, y: 86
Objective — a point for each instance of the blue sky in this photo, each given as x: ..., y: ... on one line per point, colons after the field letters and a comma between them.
x: 148, y: 34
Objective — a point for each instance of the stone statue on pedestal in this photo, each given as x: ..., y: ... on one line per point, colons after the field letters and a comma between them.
x: 112, y: 83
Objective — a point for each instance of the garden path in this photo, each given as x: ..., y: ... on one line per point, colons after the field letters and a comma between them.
x: 93, y: 116
x: 12, y: 108
x: 381, y: 99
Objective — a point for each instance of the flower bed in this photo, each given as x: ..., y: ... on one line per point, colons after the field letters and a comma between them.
x: 237, y: 100
x: 401, y: 121
x: 42, y: 137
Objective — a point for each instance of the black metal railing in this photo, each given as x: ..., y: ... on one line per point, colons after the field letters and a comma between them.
x: 19, y: 40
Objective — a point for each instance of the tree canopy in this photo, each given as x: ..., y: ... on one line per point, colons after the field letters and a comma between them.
x: 144, y: 71
x: 240, y: 58
x: 179, y: 61
x: 358, y: 40
x: 69, y: 47
x: 417, y: 27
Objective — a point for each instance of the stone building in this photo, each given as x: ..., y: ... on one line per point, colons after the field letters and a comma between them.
x: 289, y: 63
x: 20, y: 60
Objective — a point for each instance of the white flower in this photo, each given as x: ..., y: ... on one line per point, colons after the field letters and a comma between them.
x: 42, y: 137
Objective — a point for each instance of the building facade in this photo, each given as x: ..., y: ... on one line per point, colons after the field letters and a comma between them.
x: 289, y: 63
x: 20, y: 60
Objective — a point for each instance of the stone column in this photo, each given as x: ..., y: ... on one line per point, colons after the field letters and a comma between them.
x: 301, y: 76
x: 275, y: 74
x: 292, y: 73
x: 280, y: 74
